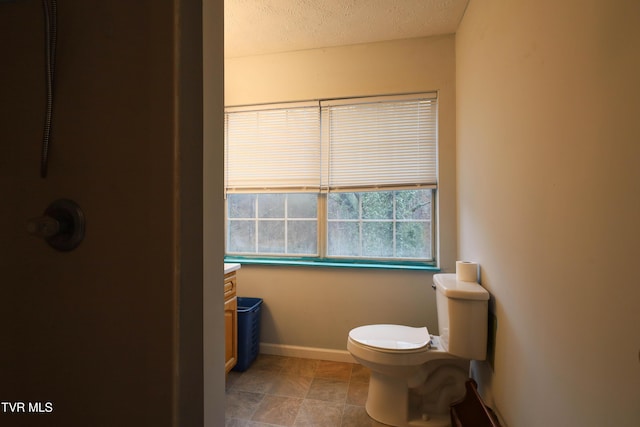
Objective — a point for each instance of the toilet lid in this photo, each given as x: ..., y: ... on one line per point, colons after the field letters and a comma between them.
x: 391, y: 337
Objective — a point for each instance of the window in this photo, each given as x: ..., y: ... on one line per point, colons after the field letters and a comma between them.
x: 273, y: 224
x: 380, y: 224
x: 349, y: 180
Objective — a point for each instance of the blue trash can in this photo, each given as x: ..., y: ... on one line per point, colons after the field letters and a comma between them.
x: 249, y: 310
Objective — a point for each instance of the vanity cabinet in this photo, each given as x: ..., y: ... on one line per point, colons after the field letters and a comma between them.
x: 230, y: 321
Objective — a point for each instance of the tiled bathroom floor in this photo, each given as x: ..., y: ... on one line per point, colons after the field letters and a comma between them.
x: 286, y: 391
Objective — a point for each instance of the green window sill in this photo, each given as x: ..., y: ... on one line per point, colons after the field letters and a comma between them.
x: 332, y: 263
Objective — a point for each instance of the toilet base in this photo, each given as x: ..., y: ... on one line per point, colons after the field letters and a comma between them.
x: 388, y: 399
x: 391, y: 401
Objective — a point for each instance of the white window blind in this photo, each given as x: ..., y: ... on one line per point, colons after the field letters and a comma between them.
x: 273, y: 148
x: 380, y: 142
x: 339, y: 145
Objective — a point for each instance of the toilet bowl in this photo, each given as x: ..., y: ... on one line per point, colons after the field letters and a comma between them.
x: 413, y: 381
x: 416, y: 376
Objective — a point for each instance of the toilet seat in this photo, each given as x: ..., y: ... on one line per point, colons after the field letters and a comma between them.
x: 391, y: 338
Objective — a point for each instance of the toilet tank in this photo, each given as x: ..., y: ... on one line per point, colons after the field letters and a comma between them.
x: 462, y: 316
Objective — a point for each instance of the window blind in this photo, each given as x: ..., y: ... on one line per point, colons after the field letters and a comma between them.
x: 339, y: 145
x: 273, y: 148
x: 380, y: 142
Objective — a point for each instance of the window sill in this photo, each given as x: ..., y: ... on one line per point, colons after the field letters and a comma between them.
x: 332, y: 263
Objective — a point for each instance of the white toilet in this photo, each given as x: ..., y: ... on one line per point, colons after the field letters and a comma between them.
x: 415, y: 376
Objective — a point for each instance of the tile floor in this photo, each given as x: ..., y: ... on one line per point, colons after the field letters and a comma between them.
x: 286, y: 391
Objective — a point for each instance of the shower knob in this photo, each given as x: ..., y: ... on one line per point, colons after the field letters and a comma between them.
x: 61, y: 225
x: 43, y: 226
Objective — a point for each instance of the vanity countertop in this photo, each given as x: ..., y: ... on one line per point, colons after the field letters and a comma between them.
x: 229, y: 267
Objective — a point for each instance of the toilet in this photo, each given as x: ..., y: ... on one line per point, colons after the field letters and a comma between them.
x: 415, y: 376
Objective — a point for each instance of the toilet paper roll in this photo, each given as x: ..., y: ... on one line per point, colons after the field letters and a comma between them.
x: 467, y: 271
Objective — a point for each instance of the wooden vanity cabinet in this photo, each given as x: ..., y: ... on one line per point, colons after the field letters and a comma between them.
x: 230, y: 321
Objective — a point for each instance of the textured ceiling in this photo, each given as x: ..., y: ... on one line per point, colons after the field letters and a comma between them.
x: 254, y: 27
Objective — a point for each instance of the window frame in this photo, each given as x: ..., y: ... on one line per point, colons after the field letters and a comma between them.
x: 321, y: 258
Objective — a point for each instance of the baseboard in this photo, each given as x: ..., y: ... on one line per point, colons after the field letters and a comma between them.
x: 306, y: 352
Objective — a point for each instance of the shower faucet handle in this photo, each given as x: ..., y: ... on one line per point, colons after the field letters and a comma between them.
x: 43, y: 226
x: 62, y: 225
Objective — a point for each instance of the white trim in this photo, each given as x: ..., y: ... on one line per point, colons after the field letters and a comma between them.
x: 274, y: 106
x: 307, y: 352
x: 380, y: 98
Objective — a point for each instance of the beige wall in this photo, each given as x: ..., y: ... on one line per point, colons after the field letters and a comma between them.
x: 111, y: 333
x: 316, y: 307
x: 548, y: 203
